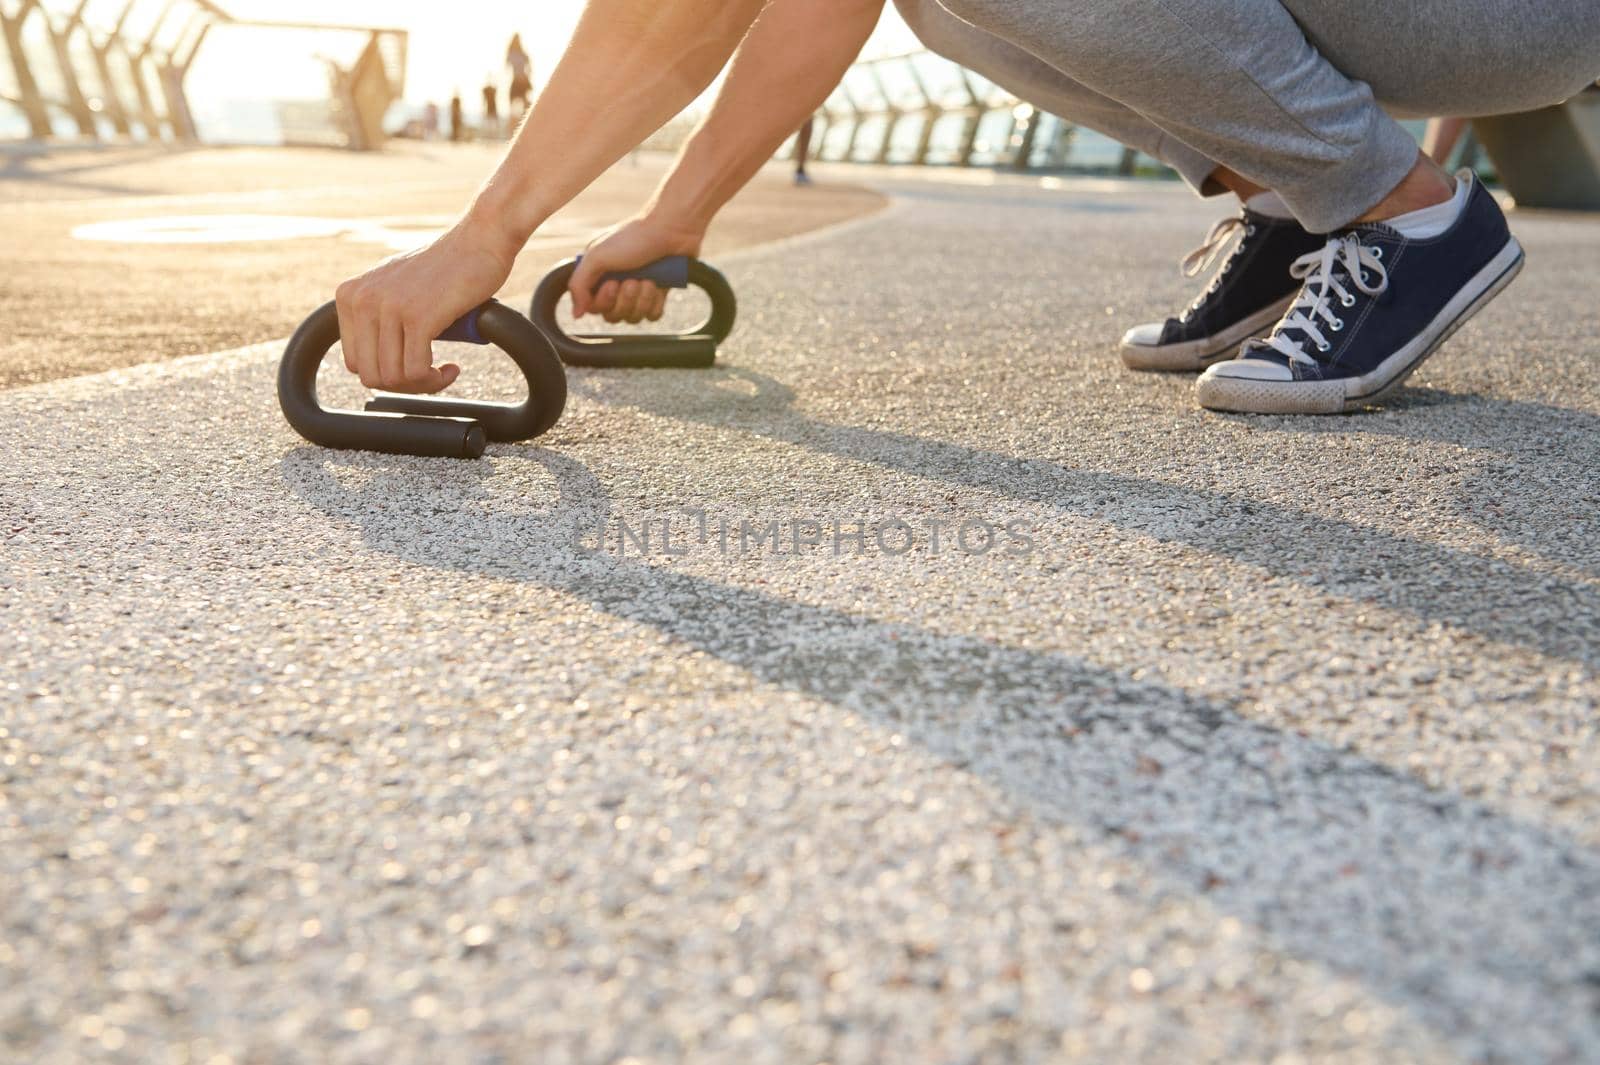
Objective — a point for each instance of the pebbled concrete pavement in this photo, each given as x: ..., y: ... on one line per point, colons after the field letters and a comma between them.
x: 1275, y: 740
x: 79, y: 306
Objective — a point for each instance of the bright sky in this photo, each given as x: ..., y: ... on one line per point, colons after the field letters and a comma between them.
x: 457, y: 44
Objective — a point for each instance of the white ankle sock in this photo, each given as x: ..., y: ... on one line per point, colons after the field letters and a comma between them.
x: 1269, y: 204
x: 1432, y: 221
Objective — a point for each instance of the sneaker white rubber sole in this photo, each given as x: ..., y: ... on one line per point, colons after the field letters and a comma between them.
x: 1194, y: 355
x: 1244, y: 395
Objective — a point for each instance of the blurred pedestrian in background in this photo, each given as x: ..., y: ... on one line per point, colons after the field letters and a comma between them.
x: 1442, y: 137
x: 430, y: 122
x: 521, y: 76
x: 802, y: 148
x: 491, y: 109
x: 458, y: 130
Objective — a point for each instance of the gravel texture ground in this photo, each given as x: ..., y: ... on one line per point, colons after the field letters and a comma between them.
x: 73, y: 307
x: 1194, y: 739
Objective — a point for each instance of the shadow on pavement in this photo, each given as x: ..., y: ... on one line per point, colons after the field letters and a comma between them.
x: 19, y: 166
x: 1489, y: 597
x: 1479, y: 923
x: 1537, y: 478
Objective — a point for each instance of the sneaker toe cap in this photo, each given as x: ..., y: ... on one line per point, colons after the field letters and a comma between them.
x: 1147, y: 335
x: 1247, y: 369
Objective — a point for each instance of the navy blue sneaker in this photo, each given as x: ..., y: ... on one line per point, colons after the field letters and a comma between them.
x: 1249, y: 292
x: 1372, y: 306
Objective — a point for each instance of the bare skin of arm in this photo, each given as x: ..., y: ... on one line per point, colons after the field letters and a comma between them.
x: 775, y: 84
x: 631, y: 66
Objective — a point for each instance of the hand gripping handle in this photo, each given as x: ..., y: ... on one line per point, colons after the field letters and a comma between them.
x: 424, y: 425
x: 695, y: 348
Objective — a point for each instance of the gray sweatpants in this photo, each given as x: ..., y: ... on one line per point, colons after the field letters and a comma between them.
x: 1295, y: 95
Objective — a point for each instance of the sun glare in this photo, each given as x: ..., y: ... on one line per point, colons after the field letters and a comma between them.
x: 452, y: 47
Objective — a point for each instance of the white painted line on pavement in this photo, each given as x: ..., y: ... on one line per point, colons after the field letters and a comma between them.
x: 189, y: 366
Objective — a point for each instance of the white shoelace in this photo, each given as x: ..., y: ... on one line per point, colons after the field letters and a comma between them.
x: 1215, y: 243
x: 1212, y: 246
x: 1323, y: 275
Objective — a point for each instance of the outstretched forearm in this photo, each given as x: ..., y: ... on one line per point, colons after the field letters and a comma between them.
x: 790, y: 62
x: 631, y: 66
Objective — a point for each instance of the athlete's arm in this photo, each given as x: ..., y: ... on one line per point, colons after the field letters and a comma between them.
x: 790, y: 62
x: 631, y: 66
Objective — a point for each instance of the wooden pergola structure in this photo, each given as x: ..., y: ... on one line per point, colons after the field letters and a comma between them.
x: 72, y: 75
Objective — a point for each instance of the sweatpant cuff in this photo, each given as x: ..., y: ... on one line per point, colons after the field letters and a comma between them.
x: 1334, y: 196
x: 1193, y: 166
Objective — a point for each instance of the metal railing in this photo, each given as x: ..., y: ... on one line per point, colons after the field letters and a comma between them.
x: 118, y: 69
x: 919, y: 108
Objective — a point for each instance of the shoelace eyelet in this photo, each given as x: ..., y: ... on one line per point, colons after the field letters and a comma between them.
x: 1337, y: 325
x: 1348, y: 301
x: 1323, y: 345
